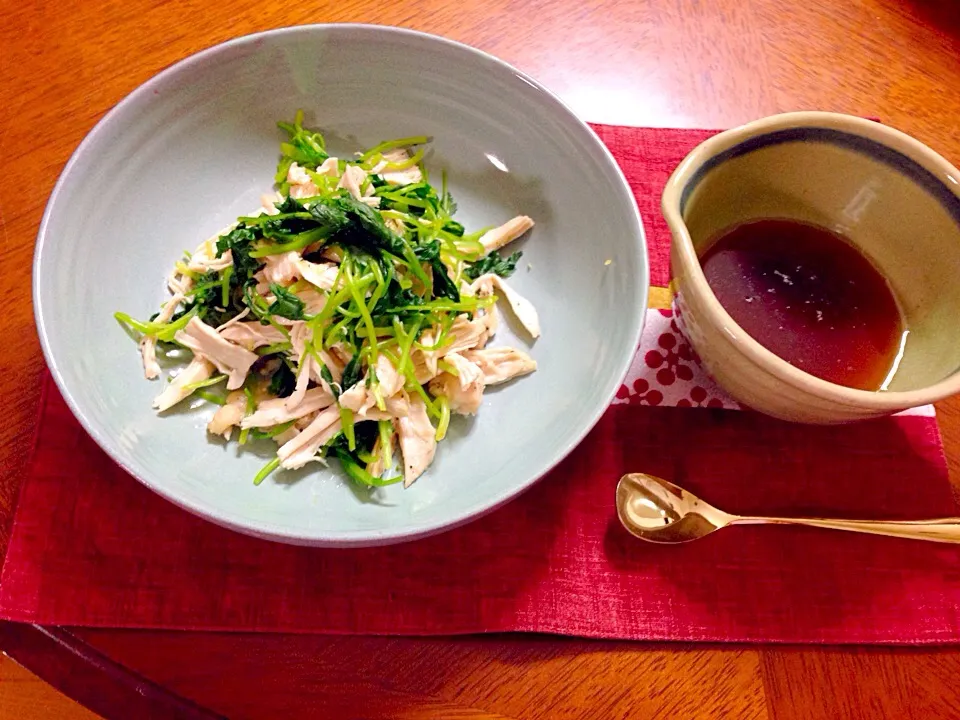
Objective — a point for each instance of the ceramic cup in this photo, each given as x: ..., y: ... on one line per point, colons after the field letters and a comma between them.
x: 890, y: 195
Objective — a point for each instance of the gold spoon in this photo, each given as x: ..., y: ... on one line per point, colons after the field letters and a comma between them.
x: 656, y: 510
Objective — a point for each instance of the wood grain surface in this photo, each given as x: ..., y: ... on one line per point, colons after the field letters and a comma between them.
x: 26, y: 697
x: 650, y: 62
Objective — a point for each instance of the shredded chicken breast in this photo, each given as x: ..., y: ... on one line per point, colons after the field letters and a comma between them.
x: 506, y: 233
x: 197, y: 371
x: 464, y: 388
x: 228, y: 416
x: 418, y: 442
x: 232, y: 360
x: 501, y: 364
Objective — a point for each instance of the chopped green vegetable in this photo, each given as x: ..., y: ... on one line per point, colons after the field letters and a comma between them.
x: 351, y: 373
x: 162, y: 331
x: 346, y: 422
x: 304, y: 147
x: 266, y: 470
x: 493, y: 263
x: 210, y: 397
x: 287, y: 305
x: 238, y: 242
x: 283, y: 381
x: 359, y: 474
x: 258, y: 434
x: 328, y: 378
x: 394, y: 144
x: 225, y: 286
x: 206, y: 383
x: 444, y: 423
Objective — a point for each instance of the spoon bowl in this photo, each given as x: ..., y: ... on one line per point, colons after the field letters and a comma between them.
x: 658, y: 511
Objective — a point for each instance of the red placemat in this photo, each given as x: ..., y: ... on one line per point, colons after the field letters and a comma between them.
x: 91, y: 546
x: 648, y: 157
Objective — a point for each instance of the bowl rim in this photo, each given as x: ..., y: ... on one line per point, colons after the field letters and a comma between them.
x: 717, y: 316
x: 366, y: 537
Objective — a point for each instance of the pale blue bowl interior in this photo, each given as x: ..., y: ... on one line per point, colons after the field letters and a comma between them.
x: 196, y: 146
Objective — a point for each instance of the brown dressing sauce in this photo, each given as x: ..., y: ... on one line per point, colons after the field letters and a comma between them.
x: 810, y: 297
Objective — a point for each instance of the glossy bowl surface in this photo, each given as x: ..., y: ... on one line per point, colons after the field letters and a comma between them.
x: 197, y: 145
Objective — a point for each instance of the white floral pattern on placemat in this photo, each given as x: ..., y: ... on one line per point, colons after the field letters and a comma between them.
x: 667, y: 372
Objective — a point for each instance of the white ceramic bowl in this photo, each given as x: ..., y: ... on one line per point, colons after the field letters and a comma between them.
x: 195, y: 147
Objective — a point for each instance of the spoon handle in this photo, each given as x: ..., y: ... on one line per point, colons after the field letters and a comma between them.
x: 945, y: 530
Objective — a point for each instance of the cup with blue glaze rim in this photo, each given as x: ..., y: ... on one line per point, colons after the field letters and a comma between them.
x: 890, y: 195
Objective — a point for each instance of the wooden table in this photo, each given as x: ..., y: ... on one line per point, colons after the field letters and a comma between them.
x: 653, y: 62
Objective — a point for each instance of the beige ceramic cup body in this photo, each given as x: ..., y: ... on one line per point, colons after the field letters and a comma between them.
x: 890, y: 195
